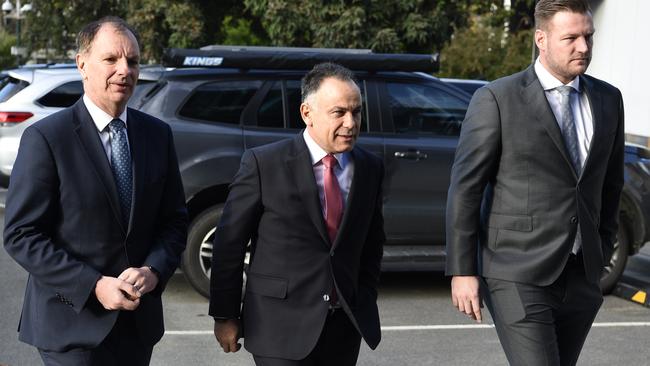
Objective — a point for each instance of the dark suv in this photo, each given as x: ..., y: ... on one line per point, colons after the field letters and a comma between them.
x: 222, y: 102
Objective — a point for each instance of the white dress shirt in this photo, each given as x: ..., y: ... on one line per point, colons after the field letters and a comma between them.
x: 343, y: 171
x: 101, y: 120
x: 579, y: 106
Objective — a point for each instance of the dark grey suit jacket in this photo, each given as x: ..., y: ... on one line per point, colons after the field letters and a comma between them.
x: 63, y: 225
x: 274, y: 202
x: 515, y: 203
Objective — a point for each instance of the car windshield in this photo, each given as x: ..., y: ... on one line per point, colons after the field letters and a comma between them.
x: 9, y: 86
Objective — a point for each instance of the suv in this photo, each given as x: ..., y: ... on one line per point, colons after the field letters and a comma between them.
x: 220, y: 102
x: 28, y: 94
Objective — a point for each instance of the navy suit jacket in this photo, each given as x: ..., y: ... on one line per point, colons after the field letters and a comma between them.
x: 62, y: 224
x: 274, y: 202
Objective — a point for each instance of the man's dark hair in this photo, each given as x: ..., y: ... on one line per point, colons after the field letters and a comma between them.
x: 546, y: 9
x: 89, y: 31
x: 311, y: 82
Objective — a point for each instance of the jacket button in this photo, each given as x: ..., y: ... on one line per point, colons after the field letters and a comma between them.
x: 326, y: 297
x: 574, y: 220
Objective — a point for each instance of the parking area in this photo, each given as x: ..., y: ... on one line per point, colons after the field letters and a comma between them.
x: 419, y: 325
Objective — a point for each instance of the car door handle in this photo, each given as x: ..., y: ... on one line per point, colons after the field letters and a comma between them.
x: 411, y: 155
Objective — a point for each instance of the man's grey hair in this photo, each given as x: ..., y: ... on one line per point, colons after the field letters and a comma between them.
x: 546, y: 9
x: 312, y: 81
x: 87, y: 34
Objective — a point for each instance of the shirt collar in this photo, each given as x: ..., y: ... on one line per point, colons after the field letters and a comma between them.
x: 317, y: 153
x: 549, y: 81
x: 101, y: 118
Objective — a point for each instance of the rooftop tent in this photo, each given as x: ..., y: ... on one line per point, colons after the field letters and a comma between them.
x: 297, y: 58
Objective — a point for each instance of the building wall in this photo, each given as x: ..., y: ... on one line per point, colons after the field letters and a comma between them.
x: 621, y: 56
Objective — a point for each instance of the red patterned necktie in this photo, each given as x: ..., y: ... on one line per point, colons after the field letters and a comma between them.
x: 333, y: 198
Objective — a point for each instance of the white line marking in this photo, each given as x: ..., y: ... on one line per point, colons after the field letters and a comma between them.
x: 621, y: 324
x: 435, y: 327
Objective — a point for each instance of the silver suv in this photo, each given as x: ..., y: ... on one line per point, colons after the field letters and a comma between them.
x: 28, y: 94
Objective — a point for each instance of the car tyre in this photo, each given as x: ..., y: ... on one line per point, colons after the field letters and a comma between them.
x: 197, y: 258
x: 614, y: 269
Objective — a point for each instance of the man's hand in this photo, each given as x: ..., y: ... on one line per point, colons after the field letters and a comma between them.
x: 142, y: 279
x: 115, y: 294
x: 227, y: 334
x: 464, y: 295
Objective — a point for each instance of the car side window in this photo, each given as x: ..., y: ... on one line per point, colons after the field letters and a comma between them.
x: 425, y: 110
x: 271, y: 113
x: 63, y: 95
x: 10, y: 86
x: 221, y: 101
x: 293, y: 98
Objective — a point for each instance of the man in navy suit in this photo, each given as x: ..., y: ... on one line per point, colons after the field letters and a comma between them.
x: 96, y: 214
x: 311, y: 207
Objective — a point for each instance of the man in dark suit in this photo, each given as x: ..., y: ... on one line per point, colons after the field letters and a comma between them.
x: 95, y: 213
x: 535, y: 188
x: 311, y: 209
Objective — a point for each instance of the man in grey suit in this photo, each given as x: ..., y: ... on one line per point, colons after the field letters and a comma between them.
x: 532, y: 211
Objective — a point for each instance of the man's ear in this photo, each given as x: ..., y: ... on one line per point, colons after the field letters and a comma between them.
x: 305, y: 113
x: 540, y: 39
x: 81, y: 63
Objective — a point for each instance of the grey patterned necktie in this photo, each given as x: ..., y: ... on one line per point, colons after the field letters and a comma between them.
x: 568, y: 127
x: 121, y: 167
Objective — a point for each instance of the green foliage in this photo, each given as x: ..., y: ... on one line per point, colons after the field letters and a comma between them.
x: 479, y: 37
x: 484, y: 51
x: 239, y: 32
x: 164, y: 24
x: 382, y: 25
x: 52, y: 25
x: 494, y: 44
x: 7, y: 60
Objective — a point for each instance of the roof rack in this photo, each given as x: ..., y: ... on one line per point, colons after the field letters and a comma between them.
x: 246, y: 57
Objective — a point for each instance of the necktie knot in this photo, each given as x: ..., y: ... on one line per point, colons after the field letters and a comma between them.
x: 565, y: 90
x: 116, y: 125
x: 329, y: 161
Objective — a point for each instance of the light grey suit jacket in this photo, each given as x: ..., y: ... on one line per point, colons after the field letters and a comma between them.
x: 515, y: 203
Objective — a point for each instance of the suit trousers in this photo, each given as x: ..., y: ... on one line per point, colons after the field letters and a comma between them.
x: 544, y: 325
x: 338, y: 345
x: 121, y: 346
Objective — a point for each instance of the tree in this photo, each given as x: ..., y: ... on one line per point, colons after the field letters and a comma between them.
x: 7, y: 40
x: 164, y: 24
x: 239, y: 32
x: 383, y: 25
x: 497, y: 42
x: 52, y: 25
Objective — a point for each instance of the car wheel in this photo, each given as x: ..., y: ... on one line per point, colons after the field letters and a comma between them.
x: 197, y: 258
x: 614, y: 269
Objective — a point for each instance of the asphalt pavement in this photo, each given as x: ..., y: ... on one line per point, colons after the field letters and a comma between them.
x: 419, y: 326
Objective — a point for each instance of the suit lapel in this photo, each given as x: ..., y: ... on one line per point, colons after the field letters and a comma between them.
x: 299, y: 164
x: 138, y: 146
x: 535, y: 97
x: 355, y: 202
x: 595, y: 103
x: 89, y: 138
